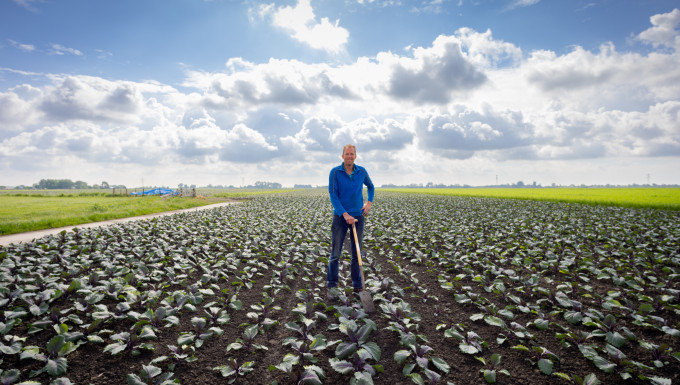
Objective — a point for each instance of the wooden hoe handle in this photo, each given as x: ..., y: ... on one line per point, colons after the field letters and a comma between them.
x: 361, y: 266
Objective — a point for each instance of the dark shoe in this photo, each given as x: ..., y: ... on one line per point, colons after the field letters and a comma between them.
x: 332, y: 294
x: 358, y: 289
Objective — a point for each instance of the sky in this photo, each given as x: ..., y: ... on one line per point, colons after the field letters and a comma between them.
x: 232, y: 92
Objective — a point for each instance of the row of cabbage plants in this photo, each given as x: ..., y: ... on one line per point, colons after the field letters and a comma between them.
x: 467, y: 291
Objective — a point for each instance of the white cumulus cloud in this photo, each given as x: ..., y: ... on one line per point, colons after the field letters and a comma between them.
x: 303, y: 26
x: 664, y: 30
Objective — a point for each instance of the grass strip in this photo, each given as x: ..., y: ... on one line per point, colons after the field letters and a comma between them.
x: 37, y: 212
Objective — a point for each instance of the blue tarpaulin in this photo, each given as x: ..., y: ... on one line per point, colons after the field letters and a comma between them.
x: 156, y: 191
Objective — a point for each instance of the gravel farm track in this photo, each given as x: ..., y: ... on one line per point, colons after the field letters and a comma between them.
x: 525, y: 277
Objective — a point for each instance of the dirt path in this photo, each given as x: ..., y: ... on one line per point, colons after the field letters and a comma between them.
x: 6, y: 240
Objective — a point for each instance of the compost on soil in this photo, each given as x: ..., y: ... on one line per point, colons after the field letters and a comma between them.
x: 466, y: 291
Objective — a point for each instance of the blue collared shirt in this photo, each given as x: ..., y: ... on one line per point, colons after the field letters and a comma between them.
x: 346, y: 191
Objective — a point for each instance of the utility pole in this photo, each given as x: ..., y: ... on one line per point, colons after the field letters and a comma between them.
x: 496, y: 179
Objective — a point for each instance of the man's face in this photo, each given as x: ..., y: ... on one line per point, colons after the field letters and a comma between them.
x: 348, y: 156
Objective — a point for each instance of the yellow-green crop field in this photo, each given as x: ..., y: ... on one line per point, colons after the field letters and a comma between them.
x: 643, y: 197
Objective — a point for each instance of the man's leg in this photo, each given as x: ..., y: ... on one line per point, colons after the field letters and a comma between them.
x: 355, y: 269
x: 338, y: 232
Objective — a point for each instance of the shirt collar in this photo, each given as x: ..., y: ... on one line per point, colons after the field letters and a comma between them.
x: 354, y: 168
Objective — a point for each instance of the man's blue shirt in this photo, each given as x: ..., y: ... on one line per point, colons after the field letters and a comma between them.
x: 346, y: 191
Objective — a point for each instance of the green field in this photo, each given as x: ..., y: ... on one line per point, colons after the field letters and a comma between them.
x: 29, y: 210
x: 643, y: 197
x: 36, y: 212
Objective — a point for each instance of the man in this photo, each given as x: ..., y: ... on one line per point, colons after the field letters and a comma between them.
x: 345, y: 187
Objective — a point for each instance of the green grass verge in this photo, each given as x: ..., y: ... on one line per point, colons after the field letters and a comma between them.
x: 643, y: 197
x: 30, y: 210
x: 37, y: 212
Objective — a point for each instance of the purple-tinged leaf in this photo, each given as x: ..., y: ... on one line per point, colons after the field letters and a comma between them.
x: 422, y: 362
x: 345, y: 349
x: 341, y: 366
x: 56, y: 367
x: 310, y: 377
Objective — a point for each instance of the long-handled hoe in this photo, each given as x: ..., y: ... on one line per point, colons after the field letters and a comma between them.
x: 364, y: 295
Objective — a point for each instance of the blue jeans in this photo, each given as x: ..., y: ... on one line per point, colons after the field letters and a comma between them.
x: 339, y: 231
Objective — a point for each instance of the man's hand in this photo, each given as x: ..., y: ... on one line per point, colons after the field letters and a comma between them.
x: 366, y: 208
x: 349, y: 219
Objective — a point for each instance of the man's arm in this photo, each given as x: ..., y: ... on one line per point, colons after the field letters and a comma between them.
x: 333, y: 188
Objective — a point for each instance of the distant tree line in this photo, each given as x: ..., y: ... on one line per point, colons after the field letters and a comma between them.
x: 67, y: 184
x: 183, y: 185
x: 267, y: 185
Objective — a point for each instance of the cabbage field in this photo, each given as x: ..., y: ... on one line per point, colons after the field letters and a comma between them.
x: 466, y: 290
